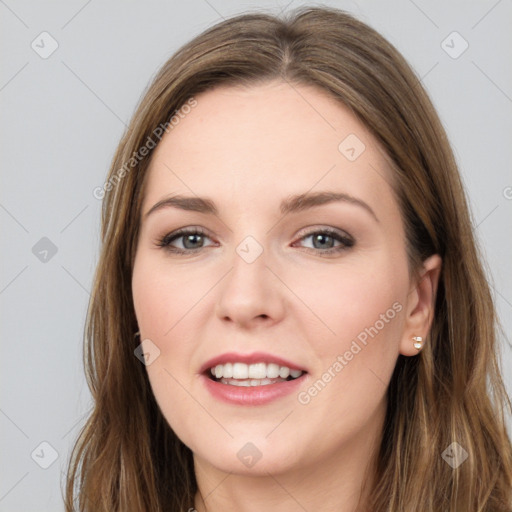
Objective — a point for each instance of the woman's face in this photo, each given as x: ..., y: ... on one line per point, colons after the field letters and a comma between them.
x: 300, y: 266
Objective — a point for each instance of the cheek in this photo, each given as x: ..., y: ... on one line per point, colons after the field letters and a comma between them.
x: 164, y: 297
x: 346, y: 300
x: 170, y: 389
x: 167, y: 305
x: 361, y: 308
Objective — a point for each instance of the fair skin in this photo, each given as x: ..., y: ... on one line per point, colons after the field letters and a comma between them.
x: 248, y: 149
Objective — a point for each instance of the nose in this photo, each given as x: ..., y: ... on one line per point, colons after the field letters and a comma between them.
x: 250, y: 294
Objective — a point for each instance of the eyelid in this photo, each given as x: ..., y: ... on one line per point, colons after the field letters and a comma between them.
x: 310, y: 230
x: 182, y: 232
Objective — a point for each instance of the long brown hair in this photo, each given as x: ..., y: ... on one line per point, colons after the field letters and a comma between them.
x: 128, y: 458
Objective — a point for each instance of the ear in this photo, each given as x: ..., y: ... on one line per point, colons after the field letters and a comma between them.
x: 420, y: 305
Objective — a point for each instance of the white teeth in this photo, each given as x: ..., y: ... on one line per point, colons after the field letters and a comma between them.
x: 284, y: 371
x: 240, y: 371
x: 254, y: 372
x: 250, y: 382
x: 272, y: 371
x: 257, y: 371
x: 227, y: 371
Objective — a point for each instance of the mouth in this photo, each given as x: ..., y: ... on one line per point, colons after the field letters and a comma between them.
x: 252, y: 375
x: 253, y: 379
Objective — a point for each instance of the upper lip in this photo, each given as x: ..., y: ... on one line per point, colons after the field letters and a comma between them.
x: 254, y: 357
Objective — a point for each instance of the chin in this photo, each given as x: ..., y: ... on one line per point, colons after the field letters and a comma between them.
x: 256, y: 457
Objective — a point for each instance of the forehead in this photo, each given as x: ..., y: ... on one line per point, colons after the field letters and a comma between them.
x: 253, y: 143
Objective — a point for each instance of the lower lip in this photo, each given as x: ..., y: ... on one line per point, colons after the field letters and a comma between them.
x: 251, y: 395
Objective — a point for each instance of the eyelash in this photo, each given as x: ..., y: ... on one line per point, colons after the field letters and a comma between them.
x: 346, y: 241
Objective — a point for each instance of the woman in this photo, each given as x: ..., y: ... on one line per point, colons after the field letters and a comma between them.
x: 289, y: 311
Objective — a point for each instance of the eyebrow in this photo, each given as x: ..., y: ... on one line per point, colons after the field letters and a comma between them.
x: 292, y: 204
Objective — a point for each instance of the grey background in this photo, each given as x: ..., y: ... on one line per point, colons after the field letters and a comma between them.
x: 61, y: 119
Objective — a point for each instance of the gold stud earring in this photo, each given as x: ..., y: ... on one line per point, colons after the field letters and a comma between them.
x: 417, y: 342
x: 136, y: 334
